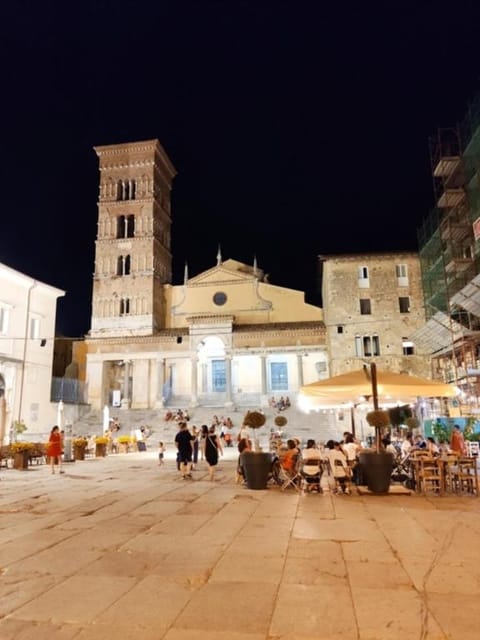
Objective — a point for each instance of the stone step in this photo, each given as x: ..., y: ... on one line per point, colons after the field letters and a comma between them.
x: 316, y: 425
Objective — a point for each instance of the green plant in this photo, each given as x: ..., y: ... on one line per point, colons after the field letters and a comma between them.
x: 19, y: 426
x: 79, y: 442
x: 469, y: 429
x: 254, y: 419
x: 125, y: 440
x: 378, y: 418
x: 280, y: 421
x: 412, y: 423
x: 101, y: 440
x: 441, y: 432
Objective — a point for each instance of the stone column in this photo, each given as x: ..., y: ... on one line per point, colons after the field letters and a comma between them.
x: 228, y: 380
x: 300, y: 369
x: 159, y: 400
x: 126, y: 385
x: 194, y: 382
x: 263, y: 366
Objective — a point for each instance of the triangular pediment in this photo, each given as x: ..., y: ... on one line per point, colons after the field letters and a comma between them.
x: 228, y: 271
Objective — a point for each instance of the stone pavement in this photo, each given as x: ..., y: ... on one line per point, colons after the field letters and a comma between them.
x: 120, y: 548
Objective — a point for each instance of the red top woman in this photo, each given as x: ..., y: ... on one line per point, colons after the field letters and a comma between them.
x: 54, y: 449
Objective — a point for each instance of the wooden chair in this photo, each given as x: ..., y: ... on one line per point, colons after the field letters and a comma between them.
x: 467, y: 476
x: 430, y: 475
x: 450, y: 470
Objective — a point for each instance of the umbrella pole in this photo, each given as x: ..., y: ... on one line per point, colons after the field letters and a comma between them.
x: 373, y: 374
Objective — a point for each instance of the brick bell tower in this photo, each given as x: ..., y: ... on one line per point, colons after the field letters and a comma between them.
x: 132, y: 250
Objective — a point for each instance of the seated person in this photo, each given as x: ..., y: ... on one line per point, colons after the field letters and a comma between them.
x: 243, y: 445
x: 311, y: 452
x: 339, y: 469
x: 290, y: 456
x: 312, y: 472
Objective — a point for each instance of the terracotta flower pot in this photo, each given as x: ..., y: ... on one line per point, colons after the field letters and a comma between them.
x: 100, y: 450
x: 20, y: 460
x: 78, y: 453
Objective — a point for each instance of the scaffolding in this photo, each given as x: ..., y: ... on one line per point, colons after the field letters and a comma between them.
x: 449, y: 250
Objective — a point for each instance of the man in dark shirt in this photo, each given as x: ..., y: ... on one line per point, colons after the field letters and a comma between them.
x: 184, y: 442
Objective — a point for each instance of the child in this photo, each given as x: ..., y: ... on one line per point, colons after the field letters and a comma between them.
x: 161, y: 451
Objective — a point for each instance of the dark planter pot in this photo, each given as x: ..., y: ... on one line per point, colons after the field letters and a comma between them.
x: 257, y: 467
x: 141, y: 446
x: 79, y: 453
x: 100, y: 450
x: 377, y: 470
x: 20, y: 460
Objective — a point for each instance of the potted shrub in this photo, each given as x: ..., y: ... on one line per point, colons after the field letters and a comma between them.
x: 280, y: 421
x: 101, y: 446
x: 21, y: 454
x: 79, y: 446
x: 377, y: 465
x: 256, y: 464
x: 124, y: 443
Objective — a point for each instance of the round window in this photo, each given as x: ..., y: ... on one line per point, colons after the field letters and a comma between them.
x: 220, y: 298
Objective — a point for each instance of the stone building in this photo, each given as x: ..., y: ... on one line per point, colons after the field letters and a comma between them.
x: 223, y: 337
x: 372, y: 304
x: 27, y: 330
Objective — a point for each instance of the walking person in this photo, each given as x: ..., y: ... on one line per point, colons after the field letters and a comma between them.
x: 196, y: 435
x: 457, y: 442
x: 213, y: 446
x: 203, y: 437
x: 54, y: 449
x: 161, y: 452
x: 184, y: 444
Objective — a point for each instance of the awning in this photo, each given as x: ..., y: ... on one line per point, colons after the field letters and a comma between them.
x: 439, y: 333
x: 469, y: 297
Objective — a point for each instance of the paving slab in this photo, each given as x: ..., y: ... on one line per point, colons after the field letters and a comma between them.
x: 121, y: 548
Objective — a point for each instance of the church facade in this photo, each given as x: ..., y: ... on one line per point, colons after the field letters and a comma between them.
x: 224, y: 337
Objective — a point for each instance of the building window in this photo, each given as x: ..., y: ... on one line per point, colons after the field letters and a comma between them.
x: 402, y: 275
x: 3, y: 320
x: 340, y: 328
x: 124, y: 306
x: 320, y: 367
x: 279, y: 376
x: 34, y: 328
x: 219, y: 298
x: 126, y: 226
x: 123, y: 265
x: 126, y: 189
x: 365, y: 306
x: 219, y: 378
x: 404, y: 304
x: 367, y: 346
x: 363, y: 278
x: 408, y: 348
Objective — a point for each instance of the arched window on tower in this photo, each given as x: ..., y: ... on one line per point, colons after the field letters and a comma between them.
x: 123, y: 265
x: 133, y: 189
x: 120, y: 266
x: 130, y: 226
x: 120, y: 190
x: 121, y: 227
x: 124, y: 306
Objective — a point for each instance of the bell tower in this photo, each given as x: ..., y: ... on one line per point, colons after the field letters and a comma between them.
x: 132, y: 250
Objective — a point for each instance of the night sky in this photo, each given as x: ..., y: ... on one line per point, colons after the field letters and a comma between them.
x: 297, y: 128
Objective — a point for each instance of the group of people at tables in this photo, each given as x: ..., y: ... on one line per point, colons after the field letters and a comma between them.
x: 339, y: 459
x: 334, y: 458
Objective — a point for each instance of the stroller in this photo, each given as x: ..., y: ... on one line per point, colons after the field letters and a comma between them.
x: 403, y: 472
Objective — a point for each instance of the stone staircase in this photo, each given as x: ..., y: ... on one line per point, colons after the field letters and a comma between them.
x: 317, y: 425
